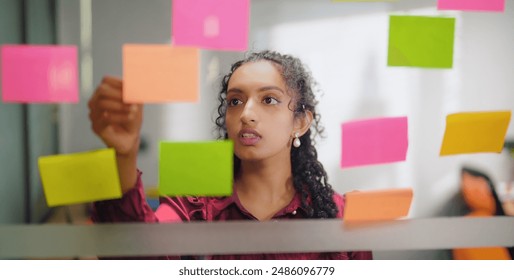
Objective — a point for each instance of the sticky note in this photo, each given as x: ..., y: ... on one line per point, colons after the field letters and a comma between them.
x: 39, y: 74
x: 160, y: 73
x: 211, y: 24
x: 362, y: 0
x: 165, y: 214
x: 420, y: 41
x: 80, y: 177
x: 475, y: 132
x: 377, y: 205
x: 472, y: 5
x: 374, y: 141
x: 196, y: 168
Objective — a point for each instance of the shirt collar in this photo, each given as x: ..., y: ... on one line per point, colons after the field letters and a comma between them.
x: 224, y: 202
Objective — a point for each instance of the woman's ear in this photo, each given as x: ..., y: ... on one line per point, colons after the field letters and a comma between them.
x: 303, y: 123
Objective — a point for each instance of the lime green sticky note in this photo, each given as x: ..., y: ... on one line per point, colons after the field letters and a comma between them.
x: 475, y: 132
x: 196, y: 168
x: 420, y: 41
x: 80, y: 177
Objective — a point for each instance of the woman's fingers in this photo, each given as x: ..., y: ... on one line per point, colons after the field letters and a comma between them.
x: 115, y: 122
x: 98, y: 124
x: 118, y: 118
x: 112, y: 106
x: 107, y: 99
x: 105, y: 118
x: 106, y: 91
x: 113, y: 82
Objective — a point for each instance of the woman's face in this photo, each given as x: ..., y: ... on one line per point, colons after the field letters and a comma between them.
x: 258, y: 117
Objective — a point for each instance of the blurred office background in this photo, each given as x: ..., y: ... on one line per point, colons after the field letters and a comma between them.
x: 345, y: 47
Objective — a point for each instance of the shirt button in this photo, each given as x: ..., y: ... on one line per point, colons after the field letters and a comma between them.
x: 294, y: 212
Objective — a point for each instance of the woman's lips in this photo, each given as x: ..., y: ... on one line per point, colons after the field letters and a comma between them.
x: 249, y: 137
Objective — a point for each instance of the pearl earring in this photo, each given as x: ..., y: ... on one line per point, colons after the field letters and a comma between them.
x: 296, y: 141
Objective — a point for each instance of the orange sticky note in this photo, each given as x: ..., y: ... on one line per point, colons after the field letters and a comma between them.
x: 377, y: 205
x: 160, y: 73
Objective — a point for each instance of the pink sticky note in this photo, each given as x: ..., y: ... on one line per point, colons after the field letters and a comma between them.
x: 211, y: 24
x: 472, y: 5
x: 39, y: 74
x: 374, y: 141
x: 165, y: 214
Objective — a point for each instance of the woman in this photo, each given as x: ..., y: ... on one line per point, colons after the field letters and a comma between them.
x: 267, y: 108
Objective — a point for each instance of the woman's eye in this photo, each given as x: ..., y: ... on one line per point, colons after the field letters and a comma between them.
x: 270, y: 101
x: 234, y: 102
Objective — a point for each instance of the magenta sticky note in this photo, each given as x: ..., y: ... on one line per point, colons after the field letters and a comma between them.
x: 374, y: 141
x: 472, y: 5
x: 211, y: 24
x: 165, y: 214
x: 39, y: 74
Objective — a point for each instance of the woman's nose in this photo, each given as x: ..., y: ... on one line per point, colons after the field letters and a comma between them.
x: 249, y: 114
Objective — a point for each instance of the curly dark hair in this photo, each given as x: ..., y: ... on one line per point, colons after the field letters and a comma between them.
x: 309, y: 177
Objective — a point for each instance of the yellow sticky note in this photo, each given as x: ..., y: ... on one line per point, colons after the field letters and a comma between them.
x: 80, y: 177
x: 377, y: 205
x: 475, y: 132
x: 160, y: 73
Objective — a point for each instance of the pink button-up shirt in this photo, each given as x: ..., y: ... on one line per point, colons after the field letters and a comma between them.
x: 132, y: 207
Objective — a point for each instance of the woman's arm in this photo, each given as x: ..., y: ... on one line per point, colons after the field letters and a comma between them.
x: 118, y: 125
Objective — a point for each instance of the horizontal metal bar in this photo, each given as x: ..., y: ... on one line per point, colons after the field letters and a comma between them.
x: 242, y: 237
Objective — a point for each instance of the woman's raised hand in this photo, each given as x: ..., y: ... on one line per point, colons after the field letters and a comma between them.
x: 118, y: 124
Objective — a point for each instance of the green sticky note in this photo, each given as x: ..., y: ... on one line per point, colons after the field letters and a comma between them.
x: 420, y: 41
x: 80, y: 177
x: 198, y: 169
